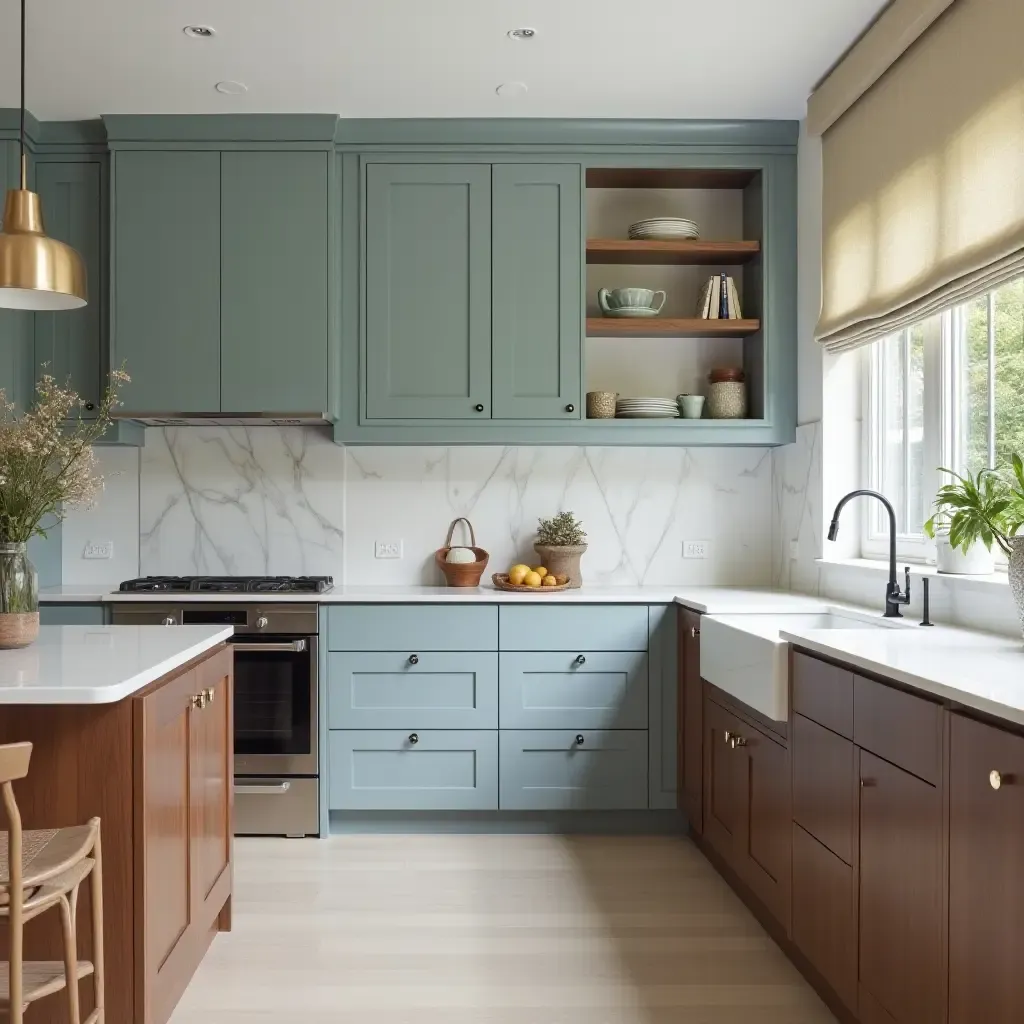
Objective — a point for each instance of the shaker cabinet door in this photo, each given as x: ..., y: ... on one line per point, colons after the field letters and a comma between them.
x: 166, y: 294
x: 428, y: 291
x: 274, y: 269
x: 67, y: 344
x: 537, y: 320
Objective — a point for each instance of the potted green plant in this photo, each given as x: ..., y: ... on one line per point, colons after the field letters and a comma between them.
x: 965, y: 548
x: 47, y: 467
x: 987, y: 508
x: 561, y: 544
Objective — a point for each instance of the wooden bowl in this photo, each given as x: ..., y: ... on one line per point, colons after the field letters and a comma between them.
x: 500, y: 580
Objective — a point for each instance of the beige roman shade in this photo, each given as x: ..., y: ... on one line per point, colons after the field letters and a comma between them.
x: 923, y: 176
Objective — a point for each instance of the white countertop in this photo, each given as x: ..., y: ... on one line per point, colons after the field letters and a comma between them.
x: 701, y: 599
x: 978, y: 670
x: 99, y: 664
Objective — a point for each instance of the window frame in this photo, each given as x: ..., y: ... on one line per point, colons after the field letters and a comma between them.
x: 945, y: 440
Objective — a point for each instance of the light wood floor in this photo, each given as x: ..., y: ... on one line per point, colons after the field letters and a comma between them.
x: 490, y: 930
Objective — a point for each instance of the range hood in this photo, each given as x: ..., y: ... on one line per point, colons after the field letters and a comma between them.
x: 224, y: 419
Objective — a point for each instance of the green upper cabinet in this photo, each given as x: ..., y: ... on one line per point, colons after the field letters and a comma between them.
x: 70, y: 345
x: 166, y: 289
x: 274, y: 282
x: 222, y: 262
x: 537, y: 309
x: 428, y: 291
x: 16, y: 358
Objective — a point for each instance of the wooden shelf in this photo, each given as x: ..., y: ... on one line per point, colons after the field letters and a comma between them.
x: 664, y: 327
x: 689, y: 252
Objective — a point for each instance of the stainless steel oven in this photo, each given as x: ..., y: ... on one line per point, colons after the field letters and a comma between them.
x: 276, y: 706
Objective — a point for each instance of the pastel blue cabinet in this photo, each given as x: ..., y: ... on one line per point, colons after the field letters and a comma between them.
x: 561, y: 770
x: 166, y: 290
x: 537, y: 305
x: 434, y: 690
x: 413, y: 628
x: 576, y: 628
x: 427, y: 290
x: 16, y: 356
x: 275, y: 235
x: 71, y: 345
x: 556, y: 690
x: 61, y: 614
x: 413, y: 771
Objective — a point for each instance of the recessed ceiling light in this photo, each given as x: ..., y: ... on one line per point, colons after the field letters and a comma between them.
x: 509, y: 90
x: 199, y: 31
x: 522, y: 33
x: 230, y: 88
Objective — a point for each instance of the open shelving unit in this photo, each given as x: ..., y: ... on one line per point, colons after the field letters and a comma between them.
x: 645, y: 356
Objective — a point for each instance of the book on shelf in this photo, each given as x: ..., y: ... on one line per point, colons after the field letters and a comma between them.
x: 719, y: 299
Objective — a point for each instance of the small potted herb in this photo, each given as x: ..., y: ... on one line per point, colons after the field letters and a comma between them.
x: 561, y: 544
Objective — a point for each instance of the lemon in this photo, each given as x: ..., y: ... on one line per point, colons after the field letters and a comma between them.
x: 532, y: 579
x: 549, y: 581
x: 517, y: 574
x: 541, y: 571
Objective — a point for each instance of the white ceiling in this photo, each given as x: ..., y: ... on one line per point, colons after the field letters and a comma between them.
x: 429, y: 58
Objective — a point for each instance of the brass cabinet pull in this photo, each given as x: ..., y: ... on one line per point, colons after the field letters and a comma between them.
x: 209, y: 694
x: 739, y: 741
x: 727, y: 736
x: 867, y: 783
x: 694, y: 632
x: 995, y: 780
x: 199, y: 700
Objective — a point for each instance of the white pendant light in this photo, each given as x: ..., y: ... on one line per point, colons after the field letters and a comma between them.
x: 36, y: 272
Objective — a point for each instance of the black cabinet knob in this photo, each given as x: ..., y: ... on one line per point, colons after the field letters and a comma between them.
x: 90, y: 406
x: 414, y: 659
x: 580, y: 660
x: 579, y: 740
x: 570, y: 408
x: 479, y: 407
x: 414, y: 738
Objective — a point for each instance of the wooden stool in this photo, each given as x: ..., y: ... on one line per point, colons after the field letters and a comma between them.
x: 40, y: 870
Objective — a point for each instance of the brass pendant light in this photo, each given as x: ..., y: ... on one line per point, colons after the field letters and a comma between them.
x: 36, y: 272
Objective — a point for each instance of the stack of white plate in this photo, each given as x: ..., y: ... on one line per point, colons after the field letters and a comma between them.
x: 646, y: 408
x: 664, y: 229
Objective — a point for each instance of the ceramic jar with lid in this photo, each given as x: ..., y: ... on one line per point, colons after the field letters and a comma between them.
x: 727, y: 394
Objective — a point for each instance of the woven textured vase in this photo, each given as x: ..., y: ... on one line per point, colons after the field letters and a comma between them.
x: 1017, y: 575
x: 563, y: 561
x: 19, y: 597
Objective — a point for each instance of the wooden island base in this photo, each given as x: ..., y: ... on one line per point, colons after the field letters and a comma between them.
x: 156, y: 768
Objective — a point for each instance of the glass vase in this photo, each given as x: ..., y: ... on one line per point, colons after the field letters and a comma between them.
x: 19, y: 597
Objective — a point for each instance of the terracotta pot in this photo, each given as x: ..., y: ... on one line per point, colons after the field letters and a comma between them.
x: 563, y: 561
x: 1017, y: 575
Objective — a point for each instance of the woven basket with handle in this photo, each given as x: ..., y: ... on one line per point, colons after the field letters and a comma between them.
x: 461, y: 574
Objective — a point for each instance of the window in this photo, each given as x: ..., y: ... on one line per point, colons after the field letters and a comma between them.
x: 948, y: 391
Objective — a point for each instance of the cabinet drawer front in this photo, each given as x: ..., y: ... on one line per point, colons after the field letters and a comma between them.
x: 412, y: 628
x: 548, y: 770
x: 554, y: 690
x: 825, y: 914
x: 823, y: 693
x: 71, y: 615
x: 585, y: 628
x: 387, y: 771
x: 824, y: 786
x: 384, y: 690
x: 900, y: 727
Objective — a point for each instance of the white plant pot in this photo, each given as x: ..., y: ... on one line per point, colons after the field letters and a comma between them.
x: 1017, y: 575
x: 977, y: 561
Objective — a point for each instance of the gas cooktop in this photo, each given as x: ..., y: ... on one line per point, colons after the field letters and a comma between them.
x: 228, y: 585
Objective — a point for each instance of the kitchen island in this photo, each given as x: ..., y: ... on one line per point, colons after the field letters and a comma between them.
x: 132, y: 724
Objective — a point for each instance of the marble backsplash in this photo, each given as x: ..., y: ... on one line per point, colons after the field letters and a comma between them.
x: 288, y: 500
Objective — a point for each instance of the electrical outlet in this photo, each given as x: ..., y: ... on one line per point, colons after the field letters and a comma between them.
x: 696, y: 548
x: 387, y: 549
x: 98, y: 549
